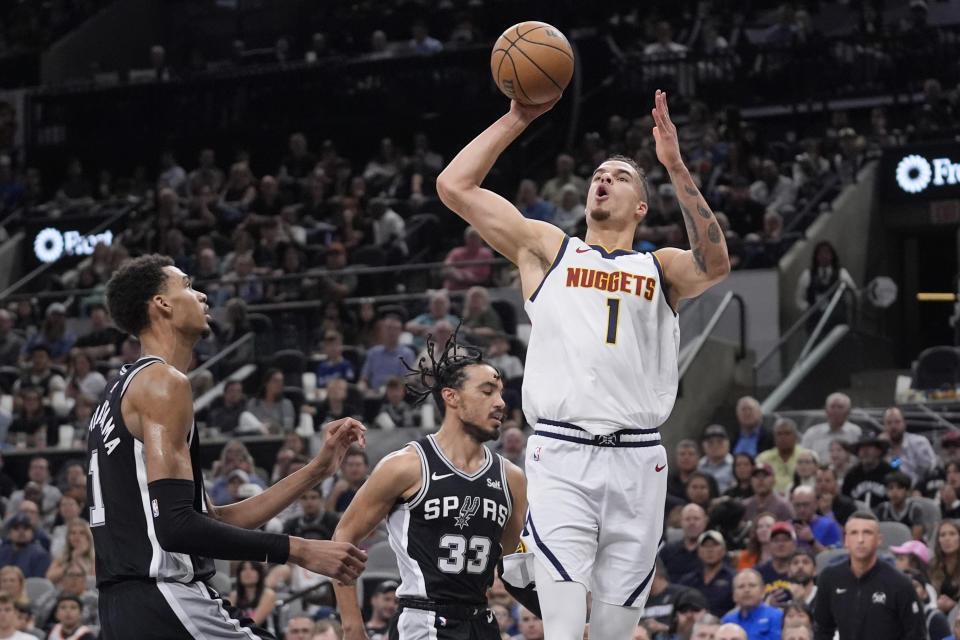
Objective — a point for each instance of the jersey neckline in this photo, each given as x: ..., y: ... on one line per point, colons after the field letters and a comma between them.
x: 463, y: 474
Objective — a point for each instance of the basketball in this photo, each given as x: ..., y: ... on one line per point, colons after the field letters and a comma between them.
x: 532, y: 62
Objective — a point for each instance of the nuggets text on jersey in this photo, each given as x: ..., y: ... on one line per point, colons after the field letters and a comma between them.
x: 612, y: 282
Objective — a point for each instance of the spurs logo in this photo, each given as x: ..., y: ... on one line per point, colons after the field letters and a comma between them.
x: 470, y: 507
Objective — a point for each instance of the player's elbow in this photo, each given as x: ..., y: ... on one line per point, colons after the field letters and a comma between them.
x: 451, y: 188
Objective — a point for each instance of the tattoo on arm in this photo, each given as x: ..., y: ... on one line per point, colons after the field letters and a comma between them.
x: 703, y: 211
x: 713, y: 232
x: 700, y: 265
x: 691, y: 226
x: 690, y: 190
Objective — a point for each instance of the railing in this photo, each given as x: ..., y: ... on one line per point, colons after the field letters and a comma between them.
x: 689, y: 354
x: 228, y: 350
x: 802, y: 368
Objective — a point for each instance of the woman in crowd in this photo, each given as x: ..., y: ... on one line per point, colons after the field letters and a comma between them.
x: 78, y: 549
x: 742, y: 471
x: 806, y: 472
x: 82, y: 378
x: 69, y: 510
x: 945, y: 565
x: 700, y: 490
x: 816, y: 281
x: 13, y: 583
x: 841, y: 460
x: 252, y: 597
x: 273, y: 410
x: 758, y: 546
x: 796, y: 612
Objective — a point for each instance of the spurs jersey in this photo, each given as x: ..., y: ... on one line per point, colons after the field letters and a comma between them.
x: 447, y: 536
x: 604, y: 343
x: 121, y: 516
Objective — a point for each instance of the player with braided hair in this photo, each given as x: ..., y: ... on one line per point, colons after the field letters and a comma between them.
x: 452, y: 506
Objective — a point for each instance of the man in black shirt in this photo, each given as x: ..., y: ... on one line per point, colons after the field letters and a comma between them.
x: 315, y: 523
x: 863, y: 598
x: 829, y: 498
x: 865, y: 482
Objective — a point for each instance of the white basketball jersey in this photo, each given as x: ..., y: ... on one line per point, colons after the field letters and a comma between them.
x: 603, y: 348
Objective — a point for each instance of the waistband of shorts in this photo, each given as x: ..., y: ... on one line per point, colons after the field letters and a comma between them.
x: 454, y: 611
x: 573, y: 433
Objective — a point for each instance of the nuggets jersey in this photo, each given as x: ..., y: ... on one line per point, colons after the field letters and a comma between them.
x: 603, y: 348
x: 121, y: 516
x: 447, y: 536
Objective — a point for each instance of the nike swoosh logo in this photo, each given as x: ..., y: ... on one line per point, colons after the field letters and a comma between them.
x: 583, y: 250
x: 436, y: 477
x: 660, y: 467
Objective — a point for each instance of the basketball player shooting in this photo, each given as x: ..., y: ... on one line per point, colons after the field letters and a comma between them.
x: 452, y: 508
x: 601, y: 370
x: 155, y: 530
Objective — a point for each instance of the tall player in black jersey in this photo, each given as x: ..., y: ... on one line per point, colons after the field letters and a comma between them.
x: 154, y: 528
x: 452, y: 508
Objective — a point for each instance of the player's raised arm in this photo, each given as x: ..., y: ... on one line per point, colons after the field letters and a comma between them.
x: 396, y: 476
x: 689, y: 273
x: 254, y: 512
x: 162, y: 407
x: 497, y: 220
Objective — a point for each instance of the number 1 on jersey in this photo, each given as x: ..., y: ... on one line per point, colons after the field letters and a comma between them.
x: 98, y: 513
x: 613, y: 319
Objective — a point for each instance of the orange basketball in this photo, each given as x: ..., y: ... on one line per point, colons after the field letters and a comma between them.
x: 532, y: 62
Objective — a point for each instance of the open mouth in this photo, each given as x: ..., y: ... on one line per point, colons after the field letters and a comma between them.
x: 497, y: 417
x: 602, y: 193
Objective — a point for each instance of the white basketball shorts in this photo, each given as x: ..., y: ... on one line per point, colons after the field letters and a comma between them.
x: 596, y: 507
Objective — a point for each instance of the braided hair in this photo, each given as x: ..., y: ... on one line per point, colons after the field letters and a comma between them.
x: 434, y: 373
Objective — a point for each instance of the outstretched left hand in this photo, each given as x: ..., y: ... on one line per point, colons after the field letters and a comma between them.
x: 337, y: 438
x: 665, y: 134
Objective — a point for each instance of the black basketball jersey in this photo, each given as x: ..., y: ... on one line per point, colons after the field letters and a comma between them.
x: 121, y: 513
x: 447, y: 536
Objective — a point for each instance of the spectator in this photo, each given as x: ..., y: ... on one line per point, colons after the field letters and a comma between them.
x: 327, y: 630
x: 933, y: 483
x: 743, y: 465
x: 814, y: 285
x: 810, y: 168
x: 383, y: 605
x: 505, y: 621
x: 82, y: 378
x: 315, y: 523
x: 28, y: 507
x: 54, y: 333
x: 458, y: 278
x: 760, y: 621
x: 207, y: 174
x: 806, y: 471
x: 14, y: 584
x: 701, y: 489
x: 797, y: 631
x: 956, y: 630
x: 244, y: 282
x: 911, y: 449
x: 850, y: 156
x: 552, y: 189
x: 299, y: 628
x: 818, y: 437
x: 783, y: 457
x: 233, y: 457
x: 498, y: 354
x: 39, y: 473
x: 33, y: 424
x: 353, y: 473
x: 752, y: 436
x: 570, y: 213
x: 660, y: 603
x: 225, y: 413
x: 745, y: 213
x: 945, y: 565
x: 717, y: 460
x: 686, y: 458
x: 830, y: 501
x: 21, y: 548
x: 334, y: 365
x: 764, y: 499
x: 395, y: 412
x: 802, y: 575
x: 103, y: 340
x: 912, y: 554
x: 422, y: 43
x: 703, y: 629
x: 897, y: 508
x: 813, y: 531
x: 11, y: 343
x: 383, y: 360
x: 69, y: 614
x: 865, y: 482
x: 389, y: 231
x: 251, y: 596
x: 949, y: 505
x: 78, y: 550
x: 337, y: 403
x: 273, y: 412
x: 74, y: 584
x: 238, y: 193
x: 713, y: 578
x: 8, y: 620
x: 690, y: 606
x: 39, y: 373
x: 531, y: 206
x: 783, y: 542
x: 422, y: 325
x: 298, y: 165
x: 841, y: 460
x: 68, y: 511
x: 773, y: 190
x: 480, y: 320
x: 861, y: 584
x: 757, y: 550
x: 513, y: 445
x: 936, y: 622
x: 680, y: 556
x: 664, y: 46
